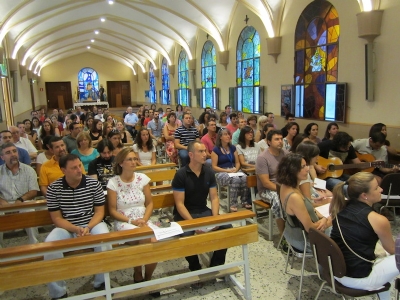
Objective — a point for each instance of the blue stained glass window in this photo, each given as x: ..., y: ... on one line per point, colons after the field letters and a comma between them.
x: 88, y: 84
x: 208, y: 75
x: 165, y: 94
x: 248, y: 70
x: 183, y: 79
x: 152, y: 83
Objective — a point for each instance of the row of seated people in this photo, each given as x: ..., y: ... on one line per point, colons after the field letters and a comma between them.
x: 129, y: 200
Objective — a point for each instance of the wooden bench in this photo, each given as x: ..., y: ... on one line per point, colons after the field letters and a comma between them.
x: 157, y: 173
x: 251, y: 184
x: 15, y: 263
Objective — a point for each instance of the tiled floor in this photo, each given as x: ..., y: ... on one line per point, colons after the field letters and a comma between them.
x: 268, y: 280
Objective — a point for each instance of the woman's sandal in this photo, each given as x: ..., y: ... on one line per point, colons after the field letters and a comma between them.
x: 233, y: 209
x: 247, y: 206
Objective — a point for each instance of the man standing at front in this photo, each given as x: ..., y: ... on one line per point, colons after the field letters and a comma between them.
x: 18, y: 183
x: 76, y: 206
x: 130, y: 121
x: 191, y: 186
x: 183, y: 135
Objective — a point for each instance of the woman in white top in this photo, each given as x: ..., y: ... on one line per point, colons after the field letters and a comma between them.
x: 263, y: 144
x: 129, y: 201
x: 246, y: 148
x: 293, y: 130
x: 144, y: 148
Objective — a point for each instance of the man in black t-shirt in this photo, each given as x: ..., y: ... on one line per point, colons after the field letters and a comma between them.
x: 191, y: 186
x: 101, y: 167
x: 339, y: 147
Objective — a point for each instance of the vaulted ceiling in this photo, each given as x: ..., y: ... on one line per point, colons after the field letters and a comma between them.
x: 131, y: 32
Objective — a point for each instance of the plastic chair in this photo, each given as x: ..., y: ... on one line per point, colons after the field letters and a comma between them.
x: 391, y: 192
x: 331, y: 260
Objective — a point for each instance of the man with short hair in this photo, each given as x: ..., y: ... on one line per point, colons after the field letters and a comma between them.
x: 289, y: 118
x: 270, y: 118
x: 155, y: 128
x: 165, y: 116
x: 210, y: 139
x: 130, y: 121
x: 183, y: 135
x: 149, y: 118
x: 101, y: 167
x: 228, y: 111
x: 233, y: 125
x: 266, y: 167
x: 99, y: 115
x: 18, y: 183
x: 235, y: 135
x: 191, y: 186
x: 70, y: 139
x: 61, y: 117
x: 76, y: 206
x: 23, y: 143
x: 23, y: 155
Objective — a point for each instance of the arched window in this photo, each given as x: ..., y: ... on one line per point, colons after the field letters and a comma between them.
x: 165, y: 94
x: 209, y: 92
x: 152, y: 83
x: 88, y: 84
x: 183, y: 80
x: 317, y: 94
x: 248, y: 71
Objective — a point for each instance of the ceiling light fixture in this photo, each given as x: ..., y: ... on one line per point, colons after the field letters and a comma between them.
x: 96, y: 32
x: 110, y: 2
x: 92, y: 40
x: 103, y: 19
x: 88, y: 47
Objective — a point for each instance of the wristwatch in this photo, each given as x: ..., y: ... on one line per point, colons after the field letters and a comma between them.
x: 20, y: 199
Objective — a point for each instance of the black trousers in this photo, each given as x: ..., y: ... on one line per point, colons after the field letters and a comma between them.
x: 218, y: 257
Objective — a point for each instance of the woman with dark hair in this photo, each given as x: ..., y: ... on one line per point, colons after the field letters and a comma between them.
x: 36, y: 125
x: 88, y: 123
x: 203, y: 122
x: 95, y: 132
x: 310, y: 153
x: 85, y: 151
x: 32, y: 134
x: 222, y: 120
x: 107, y: 128
x: 292, y: 169
x: 47, y: 129
x: 125, y: 136
x: 356, y: 230
x: 169, y: 134
x: 153, y: 107
x: 252, y: 122
x: 129, y: 202
x: 311, y: 131
x: 179, y: 112
x: 225, y: 160
x: 263, y: 144
x: 247, y: 149
x: 45, y: 155
x: 293, y: 130
x: 380, y: 127
x: 331, y: 131
x: 110, y: 119
x: 115, y: 139
x: 58, y: 127
x: 144, y: 149
x: 297, y: 140
x: 144, y: 116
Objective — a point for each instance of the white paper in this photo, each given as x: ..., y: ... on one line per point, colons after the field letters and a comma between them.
x: 166, y: 232
x: 323, y: 210
x: 319, y: 184
x: 235, y: 174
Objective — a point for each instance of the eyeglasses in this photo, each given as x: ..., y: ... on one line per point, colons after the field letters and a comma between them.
x: 132, y: 159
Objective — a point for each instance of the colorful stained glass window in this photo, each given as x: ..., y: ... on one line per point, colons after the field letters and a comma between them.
x: 165, y: 94
x: 3, y: 67
x: 152, y: 83
x: 88, y: 84
x: 316, y: 62
x: 183, y: 79
x: 208, y: 76
x: 248, y: 70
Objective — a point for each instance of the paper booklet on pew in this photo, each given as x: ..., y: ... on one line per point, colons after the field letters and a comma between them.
x: 165, y: 232
x: 319, y: 184
x: 236, y: 174
x: 324, y: 210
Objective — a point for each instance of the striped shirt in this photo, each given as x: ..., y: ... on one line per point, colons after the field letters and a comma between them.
x: 186, y: 135
x: 76, y: 205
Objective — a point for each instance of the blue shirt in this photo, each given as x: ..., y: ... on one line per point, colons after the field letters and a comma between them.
x: 131, y: 118
x: 156, y: 128
x: 23, y: 157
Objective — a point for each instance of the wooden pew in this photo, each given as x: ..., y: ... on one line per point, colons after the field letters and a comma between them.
x: 156, y: 167
x: 14, y: 261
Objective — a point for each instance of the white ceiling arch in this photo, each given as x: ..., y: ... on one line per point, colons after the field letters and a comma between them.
x: 134, y: 31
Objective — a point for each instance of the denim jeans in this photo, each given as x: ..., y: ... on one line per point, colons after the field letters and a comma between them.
x: 58, y: 288
x: 184, y: 156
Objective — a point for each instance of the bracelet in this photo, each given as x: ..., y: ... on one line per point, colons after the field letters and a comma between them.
x: 88, y: 227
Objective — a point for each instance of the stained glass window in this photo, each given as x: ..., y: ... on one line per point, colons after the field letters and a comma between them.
x: 165, y: 94
x: 316, y: 63
x: 3, y: 66
x: 88, y: 84
x: 248, y: 70
x: 152, y: 83
x: 208, y: 76
x: 183, y: 79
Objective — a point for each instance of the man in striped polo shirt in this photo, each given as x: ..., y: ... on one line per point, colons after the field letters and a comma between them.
x: 76, y: 205
x: 183, y: 135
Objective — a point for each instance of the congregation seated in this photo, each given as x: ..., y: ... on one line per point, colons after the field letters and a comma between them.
x: 101, y: 168
x: 183, y: 135
x: 169, y: 134
x: 298, y: 210
x: 331, y: 130
x: 23, y: 143
x: 114, y: 137
x: 96, y: 131
x: 23, y: 155
x: 356, y: 229
x: 70, y: 140
x: 85, y: 151
x: 47, y: 130
x: 144, y: 148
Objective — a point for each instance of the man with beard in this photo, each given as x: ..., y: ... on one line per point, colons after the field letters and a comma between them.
x: 50, y: 170
x: 101, y: 167
x: 155, y: 128
x: 18, y: 183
